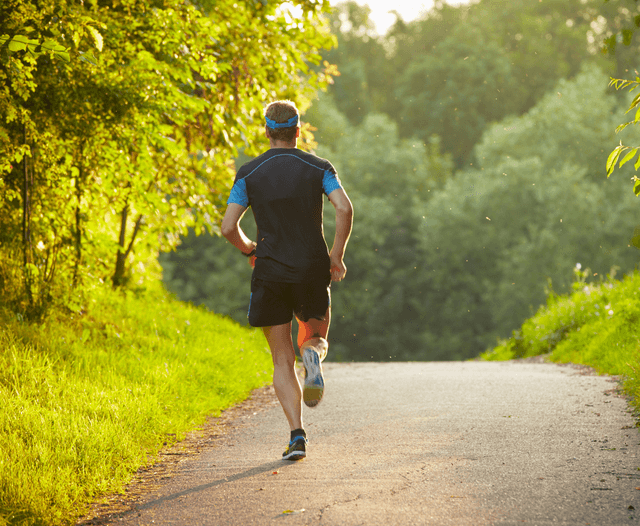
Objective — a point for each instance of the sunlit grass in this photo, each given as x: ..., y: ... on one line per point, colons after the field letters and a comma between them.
x: 86, y: 399
x: 598, y: 325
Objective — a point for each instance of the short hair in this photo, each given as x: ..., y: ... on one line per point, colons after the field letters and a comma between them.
x: 282, y: 111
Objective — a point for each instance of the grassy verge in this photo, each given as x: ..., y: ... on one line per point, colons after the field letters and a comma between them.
x: 597, y: 325
x: 86, y: 399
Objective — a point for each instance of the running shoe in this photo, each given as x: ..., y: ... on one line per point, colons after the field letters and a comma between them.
x: 313, y: 381
x: 296, y: 450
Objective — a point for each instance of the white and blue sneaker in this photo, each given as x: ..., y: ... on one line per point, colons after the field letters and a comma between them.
x: 314, y: 381
x: 296, y: 450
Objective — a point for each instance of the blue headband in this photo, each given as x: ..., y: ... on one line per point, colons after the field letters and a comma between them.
x: 293, y: 121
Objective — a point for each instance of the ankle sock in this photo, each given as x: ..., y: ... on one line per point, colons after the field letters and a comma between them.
x: 297, y: 433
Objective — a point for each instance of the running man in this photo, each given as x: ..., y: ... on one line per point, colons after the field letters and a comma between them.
x: 292, y: 267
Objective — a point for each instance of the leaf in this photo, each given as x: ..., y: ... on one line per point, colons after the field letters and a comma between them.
x: 613, y: 158
x: 64, y: 55
x: 88, y: 57
x: 636, y: 187
x: 97, y: 37
x: 623, y: 126
x: 52, y: 45
x: 635, y: 102
x: 629, y: 156
x: 18, y: 43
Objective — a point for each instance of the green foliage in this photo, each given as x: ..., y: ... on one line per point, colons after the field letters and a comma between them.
x: 364, y: 81
x: 106, y: 161
x: 456, y: 90
x: 623, y: 20
x: 389, y: 180
x: 207, y: 270
x: 615, y: 156
x: 615, y: 33
x: 460, y: 68
x: 596, y: 325
x: 88, y: 399
x: 494, y: 235
x: 570, y: 125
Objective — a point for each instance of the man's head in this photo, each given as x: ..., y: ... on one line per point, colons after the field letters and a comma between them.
x: 282, y: 111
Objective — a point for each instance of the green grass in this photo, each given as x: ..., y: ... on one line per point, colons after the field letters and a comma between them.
x: 86, y: 399
x: 597, y: 325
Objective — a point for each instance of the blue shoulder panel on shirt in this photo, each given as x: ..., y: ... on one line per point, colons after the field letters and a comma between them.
x: 330, y: 182
x: 238, y: 193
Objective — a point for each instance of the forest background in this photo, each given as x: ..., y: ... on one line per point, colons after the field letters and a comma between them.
x: 473, y: 143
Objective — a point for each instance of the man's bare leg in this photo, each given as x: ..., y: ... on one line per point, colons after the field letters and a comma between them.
x: 311, y: 331
x: 285, y: 379
x: 313, y: 346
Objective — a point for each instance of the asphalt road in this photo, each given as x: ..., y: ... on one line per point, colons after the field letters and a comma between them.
x: 461, y: 443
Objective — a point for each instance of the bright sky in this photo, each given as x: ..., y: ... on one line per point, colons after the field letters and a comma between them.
x: 408, y: 9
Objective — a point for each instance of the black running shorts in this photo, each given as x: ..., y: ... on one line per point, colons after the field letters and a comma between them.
x: 275, y: 303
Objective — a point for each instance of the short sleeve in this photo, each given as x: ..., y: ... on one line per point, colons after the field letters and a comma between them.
x: 239, y: 194
x: 330, y: 181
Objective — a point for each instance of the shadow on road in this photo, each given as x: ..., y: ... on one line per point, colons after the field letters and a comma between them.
x: 263, y: 468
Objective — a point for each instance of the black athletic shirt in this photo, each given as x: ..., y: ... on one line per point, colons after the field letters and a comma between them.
x: 285, y: 187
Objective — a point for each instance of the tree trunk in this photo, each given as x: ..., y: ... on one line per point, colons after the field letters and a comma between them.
x: 118, y: 275
x: 78, y: 227
x: 26, y: 224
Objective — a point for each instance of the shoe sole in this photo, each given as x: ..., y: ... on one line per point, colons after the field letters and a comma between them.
x: 295, y: 455
x: 314, y: 382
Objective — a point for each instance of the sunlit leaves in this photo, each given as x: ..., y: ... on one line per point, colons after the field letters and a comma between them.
x: 34, y: 46
x: 97, y: 37
x: 140, y: 112
x: 615, y: 156
x: 628, y: 157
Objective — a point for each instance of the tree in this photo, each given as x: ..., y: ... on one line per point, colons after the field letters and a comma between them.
x: 365, y: 70
x: 144, y: 136
x: 622, y: 21
x: 614, y: 31
x: 568, y: 125
x: 462, y: 68
x: 456, y: 91
x: 527, y: 212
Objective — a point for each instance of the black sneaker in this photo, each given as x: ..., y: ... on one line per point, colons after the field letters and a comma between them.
x: 296, y: 450
x: 313, y: 381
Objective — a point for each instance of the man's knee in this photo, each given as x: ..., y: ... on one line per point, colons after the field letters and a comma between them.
x: 284, y: 358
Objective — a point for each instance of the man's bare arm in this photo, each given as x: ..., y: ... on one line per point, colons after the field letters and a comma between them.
x: 232, y: 231
x: 344, y: 222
